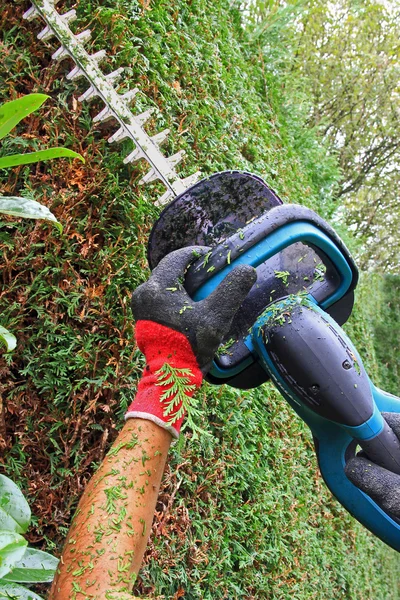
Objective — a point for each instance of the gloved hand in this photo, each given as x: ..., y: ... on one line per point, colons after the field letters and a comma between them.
x: 381, y: 485
x: 179, y: 337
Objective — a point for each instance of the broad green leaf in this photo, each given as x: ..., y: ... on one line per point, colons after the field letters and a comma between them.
x: 33, y: 157
x: 10, y: 341
x: 12, y: 549
x: 24, y: 207
x: 34, y: 567
x: 13, y: 503
x: 11, y: 591
x: 11, y: 113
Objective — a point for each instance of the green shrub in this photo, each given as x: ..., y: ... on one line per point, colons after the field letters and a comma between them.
x: 18, y: 563
x: 11, y: 113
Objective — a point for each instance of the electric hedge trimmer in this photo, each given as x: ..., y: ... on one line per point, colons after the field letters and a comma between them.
x: 288, y: 329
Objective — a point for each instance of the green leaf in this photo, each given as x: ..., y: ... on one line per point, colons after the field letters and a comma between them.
x: 35, y: 567
x: 178, y: 392
x: 12, y: 549
x: 9, y: 340
x: 11, y: 113
x: 10, y: 591
x: 33, y: 157
x: 24, y: 207
x: 14, y: 505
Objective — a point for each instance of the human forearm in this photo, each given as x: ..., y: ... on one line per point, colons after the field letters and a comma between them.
x: 179, y: 339
x: 108, y: 537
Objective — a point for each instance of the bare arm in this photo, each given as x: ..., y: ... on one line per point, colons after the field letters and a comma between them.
x: 109, y: 533
x: 108, y: 536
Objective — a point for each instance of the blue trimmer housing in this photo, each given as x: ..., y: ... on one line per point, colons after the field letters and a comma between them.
x: 288, y: 328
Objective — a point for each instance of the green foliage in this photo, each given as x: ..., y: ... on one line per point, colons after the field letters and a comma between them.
x: 283, y: 276
x: 18, y: 563
x: 177, y: 382
x: 34, y: 567
x: 360, y: 327
x: 386, y: 331
x: 250, y: 516
x: 11, y: 113
x: 350, y: 56
x: 11, y: 591
x: 354, y: 76
x: 15, y: 514
x: 8, y: 339
x: 33, y: 157
x: 343, y: 59
x: 12, y: 549
x: 23, y: 207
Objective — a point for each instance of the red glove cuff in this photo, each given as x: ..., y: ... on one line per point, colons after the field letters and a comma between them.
x: 162, y: 345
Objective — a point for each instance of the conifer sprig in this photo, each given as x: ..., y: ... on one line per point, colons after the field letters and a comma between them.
x: 177, y: 382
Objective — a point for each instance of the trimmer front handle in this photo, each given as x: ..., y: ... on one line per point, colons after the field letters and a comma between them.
x: 305, y: 352
x: 288, y: 241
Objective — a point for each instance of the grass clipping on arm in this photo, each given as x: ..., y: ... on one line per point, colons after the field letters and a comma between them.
x: 177, y: 395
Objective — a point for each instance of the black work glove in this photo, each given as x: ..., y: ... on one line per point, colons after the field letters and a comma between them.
x: 164, y: 300
x: 381, y: 485
x: 179, y: 337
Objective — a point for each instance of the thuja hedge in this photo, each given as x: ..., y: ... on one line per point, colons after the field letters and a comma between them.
x: 243, y: 512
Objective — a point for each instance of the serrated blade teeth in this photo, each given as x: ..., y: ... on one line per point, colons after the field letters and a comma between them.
x: 176, y: 158
x: 150, y: 176
x: 119, y: 135
x: 84, y: 36
x: 115, y: 75
x: 45, y: 34
x: 99, y: 56
x: 69, y: 16
x: 129, y: 96
x: 91, y: 92
x: 135, y: 155
x: 116, y: 102
x: 164, y: 198
x: 191, y: 180
x: 144, y: 116
x: 31, y: 13
x: 75, y: 73
x: 159, y: 138
x: 103, y: 115
x: 60, y: 54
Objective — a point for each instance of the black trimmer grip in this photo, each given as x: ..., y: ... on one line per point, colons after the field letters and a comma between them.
x: 384, y: 449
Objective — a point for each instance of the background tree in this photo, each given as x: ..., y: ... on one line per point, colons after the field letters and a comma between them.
x: 349, y: 53
x: 348, y: 56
